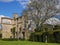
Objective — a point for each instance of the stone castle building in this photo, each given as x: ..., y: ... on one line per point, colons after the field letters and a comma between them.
x: 16, y: 27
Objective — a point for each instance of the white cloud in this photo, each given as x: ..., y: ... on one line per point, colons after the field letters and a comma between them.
x: 53, y: 21
x: 4, y: 16
x: 58, y: 6
x: 6, y: 0
x: 23, y: 2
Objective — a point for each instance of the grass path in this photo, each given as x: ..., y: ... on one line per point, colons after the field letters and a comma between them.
x: 24, y: 43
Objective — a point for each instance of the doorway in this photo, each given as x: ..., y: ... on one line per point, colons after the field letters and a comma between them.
x: 0, y: 35
x: 23, y: 35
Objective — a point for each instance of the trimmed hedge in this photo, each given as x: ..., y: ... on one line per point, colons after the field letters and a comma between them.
x: 9, y: 39
x: 51, y: 38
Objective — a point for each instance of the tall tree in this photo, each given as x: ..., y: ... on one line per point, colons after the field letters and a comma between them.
x: 41, y: 10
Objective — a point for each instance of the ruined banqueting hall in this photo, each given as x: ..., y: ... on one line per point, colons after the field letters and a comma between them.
x: 16, y: 27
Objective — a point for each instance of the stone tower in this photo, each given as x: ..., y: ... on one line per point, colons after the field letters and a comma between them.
x: 15, y: 15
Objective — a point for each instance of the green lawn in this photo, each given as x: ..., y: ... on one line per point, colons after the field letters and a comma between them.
x: 24, y: 43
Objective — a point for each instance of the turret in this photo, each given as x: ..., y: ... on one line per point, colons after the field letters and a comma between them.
x: 15, y: 15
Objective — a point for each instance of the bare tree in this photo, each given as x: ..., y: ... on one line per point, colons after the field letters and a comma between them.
x: 41, y: 10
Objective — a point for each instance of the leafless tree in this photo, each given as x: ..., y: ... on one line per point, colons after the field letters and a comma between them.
x: 41, y: 10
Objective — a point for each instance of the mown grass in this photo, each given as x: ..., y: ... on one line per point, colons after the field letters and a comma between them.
x: 25, y: 43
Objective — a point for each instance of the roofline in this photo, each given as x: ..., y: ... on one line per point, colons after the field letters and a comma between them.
x: 6, y: 18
